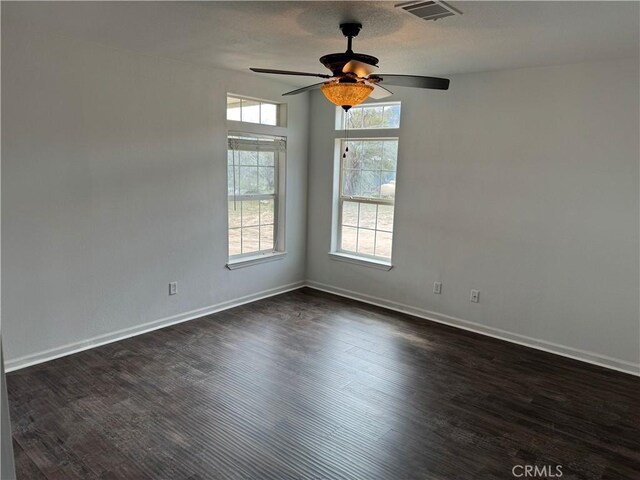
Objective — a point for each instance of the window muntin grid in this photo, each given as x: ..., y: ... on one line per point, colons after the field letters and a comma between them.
x: 366, y: 196
x: 252, y: 111
x: 253, y: 196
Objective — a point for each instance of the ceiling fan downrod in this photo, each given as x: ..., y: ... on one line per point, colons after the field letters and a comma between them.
x: 350, y: 30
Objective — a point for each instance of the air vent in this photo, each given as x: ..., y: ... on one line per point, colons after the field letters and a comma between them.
x: 429, y: 10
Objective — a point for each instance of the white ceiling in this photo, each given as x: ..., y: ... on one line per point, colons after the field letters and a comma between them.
x: 293, y: 35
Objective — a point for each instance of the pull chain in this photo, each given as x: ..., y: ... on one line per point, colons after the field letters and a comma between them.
x: 346, y: 132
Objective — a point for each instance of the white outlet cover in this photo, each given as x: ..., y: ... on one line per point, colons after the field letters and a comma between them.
x: 475, y: 296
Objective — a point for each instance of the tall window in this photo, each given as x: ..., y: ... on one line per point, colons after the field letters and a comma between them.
x: 367, y: 182
x: 253, y: 169
x: 255, y: 180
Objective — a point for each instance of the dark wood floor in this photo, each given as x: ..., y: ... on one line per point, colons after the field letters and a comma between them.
x: 307, y: 385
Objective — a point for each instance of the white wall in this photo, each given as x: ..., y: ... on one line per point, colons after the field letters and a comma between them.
x: 114, y: 184
x: 522, y: 184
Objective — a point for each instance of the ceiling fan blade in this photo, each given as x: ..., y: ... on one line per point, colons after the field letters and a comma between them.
x: 380, y: 92
x: 304, y: 89
x: 415, y: 81
x: 289, y: 72
x: 361, y: 69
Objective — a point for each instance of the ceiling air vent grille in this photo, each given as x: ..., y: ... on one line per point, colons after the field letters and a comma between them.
x: 429, y: 10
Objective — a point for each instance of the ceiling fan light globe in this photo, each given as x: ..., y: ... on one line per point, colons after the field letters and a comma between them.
x: 346, y: 94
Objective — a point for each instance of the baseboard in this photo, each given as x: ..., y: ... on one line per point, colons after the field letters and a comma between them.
x: 550, y: 347
x: 40, y: 357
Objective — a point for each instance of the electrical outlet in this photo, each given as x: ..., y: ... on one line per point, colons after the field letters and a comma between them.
x: 173, y: 288
x: 437, y: 288
x: 475, y: 296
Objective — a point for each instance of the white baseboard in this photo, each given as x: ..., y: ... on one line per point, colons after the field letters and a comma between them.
x: 40, y: 357
x: 550, y: 347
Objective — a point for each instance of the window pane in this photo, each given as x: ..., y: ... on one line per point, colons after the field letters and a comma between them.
x: 266, y: 212
x: 367, y: 216
x: 372, y: 154
x: 266, y: 237
x: 371, y: 117
x: 235, y: 239
x: 232, y: 180
x: 250, y: 111
x: 230, y: 160
x: 354, y: 118
x: 367, y: 166
x: 233, y: 108
x: 366, y: 241
x: 383, y: 244
x: 250, y: 239
x: 248, y: 180
x: 266, y: 180
x: 350, y: 213
x: 266, y: 159
x: 389, y: 155
x: 385, y: 218
x: 250, y: 213
x: 351, y: 182
x: 348, y: 239
x: 391, y: 117
x: 354, y: 157
x: 268, y: 114
x: 245, y: 157
x: 388, y: 187
x: 235, y: 214
x: 370, y: 184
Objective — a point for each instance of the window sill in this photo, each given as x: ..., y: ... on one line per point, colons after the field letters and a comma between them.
x: 364, y: 261
x: 255, y: 260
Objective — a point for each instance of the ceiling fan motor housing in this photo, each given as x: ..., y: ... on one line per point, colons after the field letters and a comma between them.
x: 336, y: 61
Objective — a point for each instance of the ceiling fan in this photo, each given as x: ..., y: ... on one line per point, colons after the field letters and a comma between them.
x: 352, y: 79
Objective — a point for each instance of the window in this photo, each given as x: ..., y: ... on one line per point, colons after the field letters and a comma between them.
x: 256, y: 156
x: 253, y: 111
x: 370, y: 116
x: 367, y: 183
x: 254, y: 164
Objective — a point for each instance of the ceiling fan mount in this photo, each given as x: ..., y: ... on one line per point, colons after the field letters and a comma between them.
x: 355, y: 72
x: 350, y: 29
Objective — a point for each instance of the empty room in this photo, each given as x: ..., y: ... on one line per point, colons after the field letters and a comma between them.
x: 320, y: 240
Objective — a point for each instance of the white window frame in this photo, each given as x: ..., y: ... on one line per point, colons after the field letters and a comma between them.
x: 255, y: 130
x: 281, y: 111
x: 340, y: 117
x: 336, y: 252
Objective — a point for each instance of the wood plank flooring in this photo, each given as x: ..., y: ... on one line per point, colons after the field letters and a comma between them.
x: 308, y: 385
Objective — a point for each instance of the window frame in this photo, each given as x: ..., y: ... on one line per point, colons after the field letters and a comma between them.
x: 340, y: 117
x: 281, y: 111
x: 360, y: 200
x: 336, y: 251
x: 279, y: 161
x: 257, y: 130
